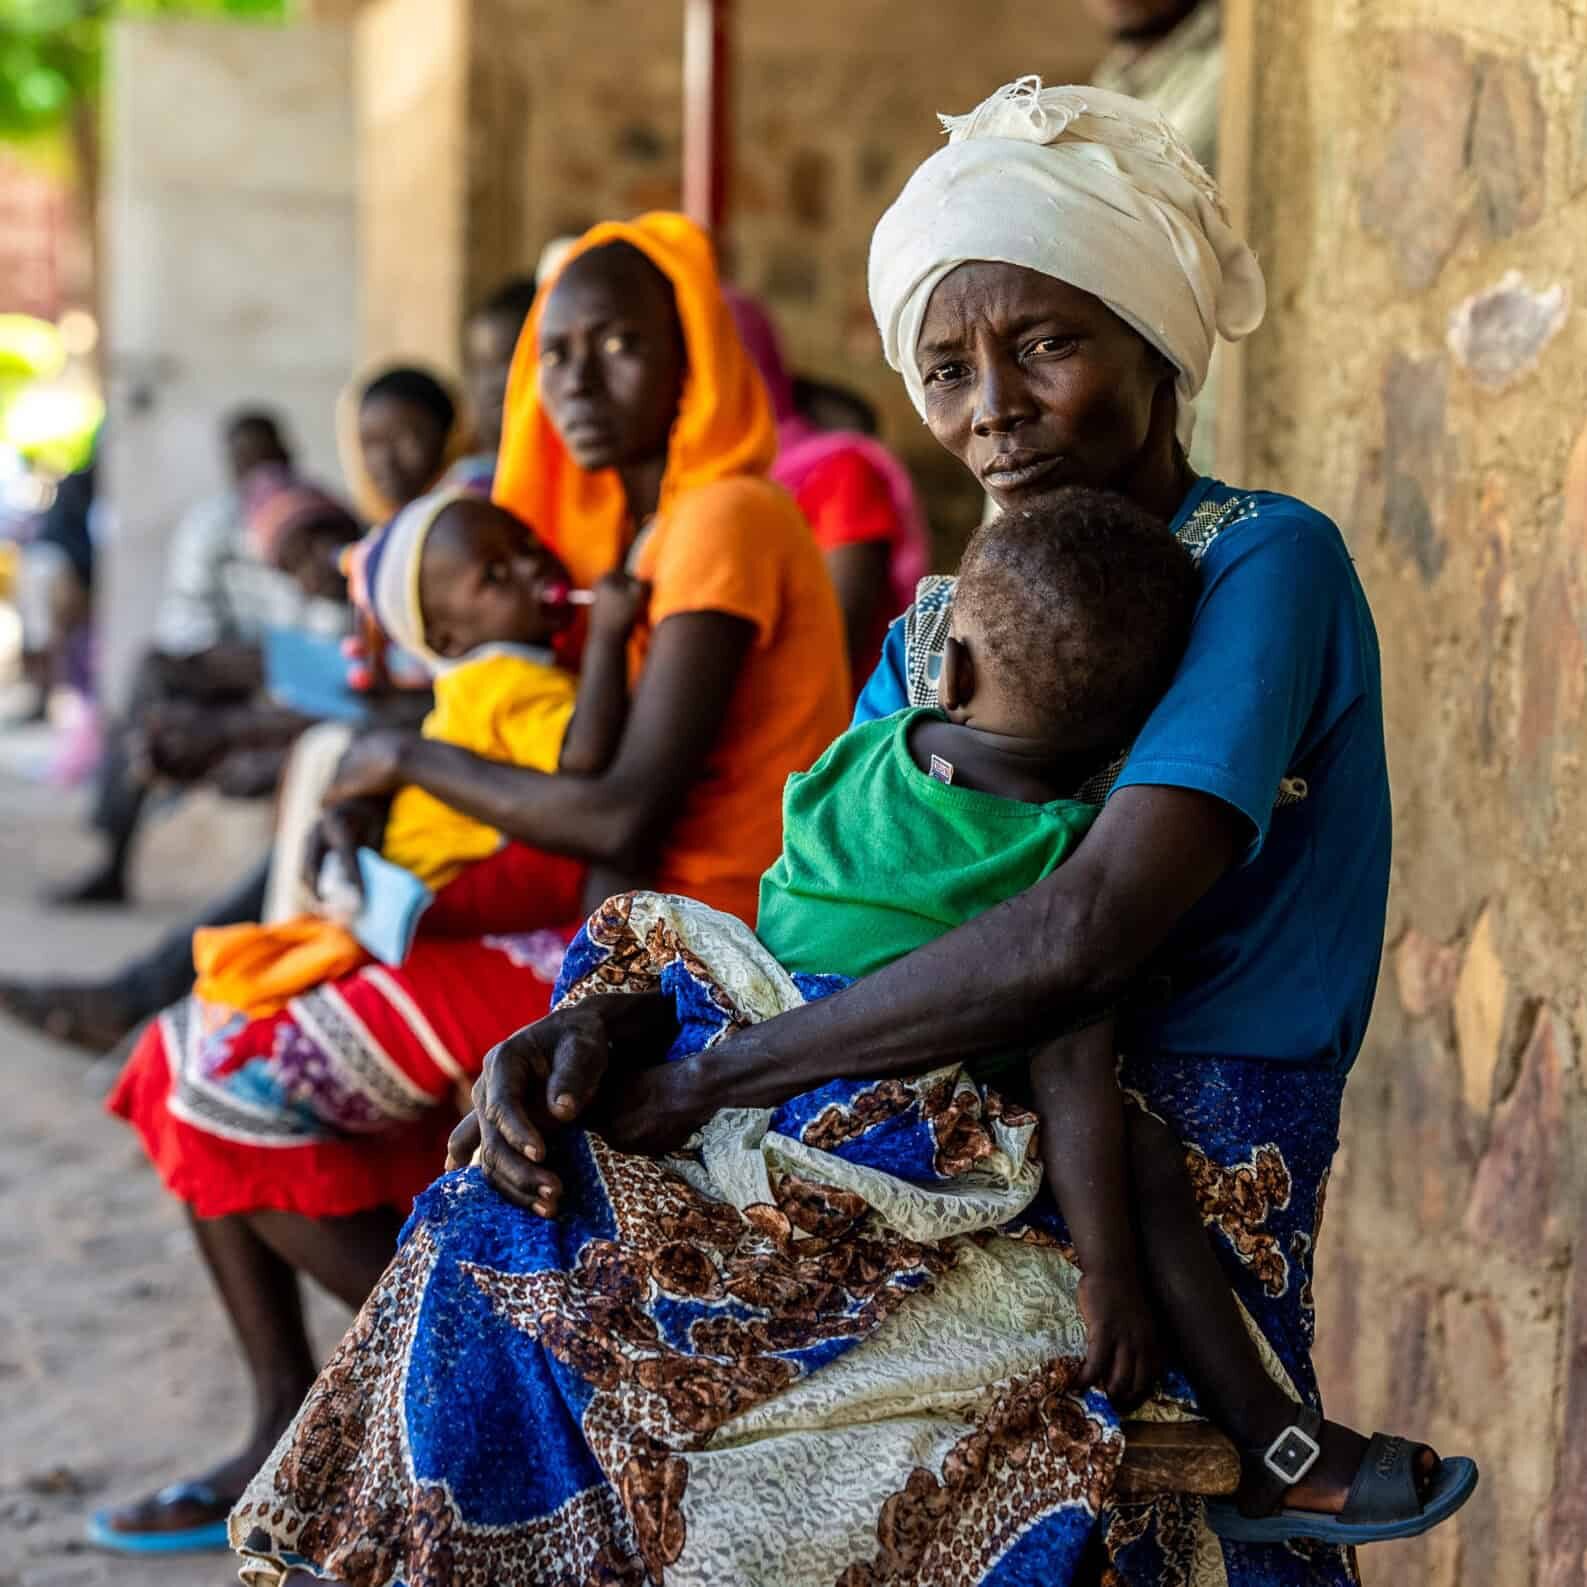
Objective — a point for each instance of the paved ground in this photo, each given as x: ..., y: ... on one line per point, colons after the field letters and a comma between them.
x: 116, y: 1370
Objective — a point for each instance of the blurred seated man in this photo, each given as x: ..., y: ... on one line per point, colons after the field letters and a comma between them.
x: 218, y: 598
x: 238, y: 740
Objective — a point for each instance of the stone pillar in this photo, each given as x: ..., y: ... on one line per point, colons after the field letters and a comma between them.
x: 231, y: 279
x: 412, y: 84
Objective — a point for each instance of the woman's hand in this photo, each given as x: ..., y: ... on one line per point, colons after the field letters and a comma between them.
x: 543, y: 1075
x: 1121, y: 1349
x: 372, y: 768
x: 656, y: 1110
x: 344, y: 829
x: 550, y: 1073
x: 620, y: 601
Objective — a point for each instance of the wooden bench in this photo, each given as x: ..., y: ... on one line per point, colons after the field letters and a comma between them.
x: 1176, y: 1457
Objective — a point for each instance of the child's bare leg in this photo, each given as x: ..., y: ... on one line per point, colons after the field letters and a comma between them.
x: 1209, y: 1332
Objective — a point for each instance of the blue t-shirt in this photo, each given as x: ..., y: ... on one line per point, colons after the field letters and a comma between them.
x: 1280, y: 681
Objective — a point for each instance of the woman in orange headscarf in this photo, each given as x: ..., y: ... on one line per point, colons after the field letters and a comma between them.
x: 637, y: 433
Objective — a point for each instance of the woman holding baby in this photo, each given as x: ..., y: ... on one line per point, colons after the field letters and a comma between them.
x: 637, y: 438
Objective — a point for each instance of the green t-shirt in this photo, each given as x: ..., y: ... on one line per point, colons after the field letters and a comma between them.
x: 879, y: 858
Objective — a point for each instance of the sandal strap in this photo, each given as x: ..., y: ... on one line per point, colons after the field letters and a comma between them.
x: 1385, y: 1485
x: 1272, y: 1471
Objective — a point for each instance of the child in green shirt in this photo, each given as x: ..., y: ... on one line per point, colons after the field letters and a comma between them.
x: 1069, y: 619
x: 1068, y: 622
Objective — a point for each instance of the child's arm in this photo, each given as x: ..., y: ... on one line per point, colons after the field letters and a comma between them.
x: 1083, y: 1149
x: 602, y: 710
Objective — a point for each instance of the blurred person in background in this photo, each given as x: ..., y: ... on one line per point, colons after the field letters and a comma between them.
x: 217, y: 601
x: 399, y: 432
x: 489, y: 338
x: 858, y: 498
x: 237, y: 742
x: 1170, y: 54
x: 54, y: 590
x: 829, y: 406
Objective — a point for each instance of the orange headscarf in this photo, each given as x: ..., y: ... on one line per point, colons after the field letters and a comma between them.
x: 725, y: 425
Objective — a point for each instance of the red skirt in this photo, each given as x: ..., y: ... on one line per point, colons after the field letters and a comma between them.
x: 343, y: 1101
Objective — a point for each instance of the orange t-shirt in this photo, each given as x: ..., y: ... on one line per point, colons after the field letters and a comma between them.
x: 741, y: 546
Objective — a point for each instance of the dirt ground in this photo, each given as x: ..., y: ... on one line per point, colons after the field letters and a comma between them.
x: 116, y: 1368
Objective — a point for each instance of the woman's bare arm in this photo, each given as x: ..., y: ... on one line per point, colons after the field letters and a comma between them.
x: 1060, y: 951
x: 619, y: 818
x: 1056, y: 953
x: 859, y: 575
x: 595, y: 733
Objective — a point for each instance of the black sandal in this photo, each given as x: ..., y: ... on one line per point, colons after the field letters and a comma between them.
x: 1384, y: 1501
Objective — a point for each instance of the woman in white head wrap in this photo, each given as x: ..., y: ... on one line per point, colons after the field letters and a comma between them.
x: 1094, y: 193
x: 1051, y: 285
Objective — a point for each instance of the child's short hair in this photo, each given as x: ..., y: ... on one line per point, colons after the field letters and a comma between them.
x: 1081, y: 604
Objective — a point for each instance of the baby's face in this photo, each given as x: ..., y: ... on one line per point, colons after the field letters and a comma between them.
x: 484, y: 580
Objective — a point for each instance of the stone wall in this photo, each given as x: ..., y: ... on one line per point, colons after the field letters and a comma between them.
x: 1420, y: 199
x: 574, y: 114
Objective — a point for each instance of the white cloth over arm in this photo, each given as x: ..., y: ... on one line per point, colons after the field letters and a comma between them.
x: 195, y: 612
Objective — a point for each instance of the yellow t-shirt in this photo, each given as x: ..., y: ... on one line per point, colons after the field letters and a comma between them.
x: 504, y: 705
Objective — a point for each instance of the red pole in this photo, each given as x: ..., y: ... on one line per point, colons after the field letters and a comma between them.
x: 707, y: 98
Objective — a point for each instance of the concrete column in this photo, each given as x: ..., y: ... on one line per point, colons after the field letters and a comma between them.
x: 411, y: 91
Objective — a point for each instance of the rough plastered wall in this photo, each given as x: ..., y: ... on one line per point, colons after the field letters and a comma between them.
x: 1420, y: 198
x: 576, y: 116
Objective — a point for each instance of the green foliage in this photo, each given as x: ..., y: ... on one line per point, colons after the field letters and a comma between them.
x: 52, y: 51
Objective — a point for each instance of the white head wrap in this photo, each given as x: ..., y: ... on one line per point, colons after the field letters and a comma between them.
x: 1090, y: 187
x: 385, y: 577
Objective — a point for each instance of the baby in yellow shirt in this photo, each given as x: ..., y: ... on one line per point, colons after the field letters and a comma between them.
x: 463, y: 586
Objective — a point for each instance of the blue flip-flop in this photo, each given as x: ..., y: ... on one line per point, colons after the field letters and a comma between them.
x: 1384, y: 1502
x: 211, y: 1537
